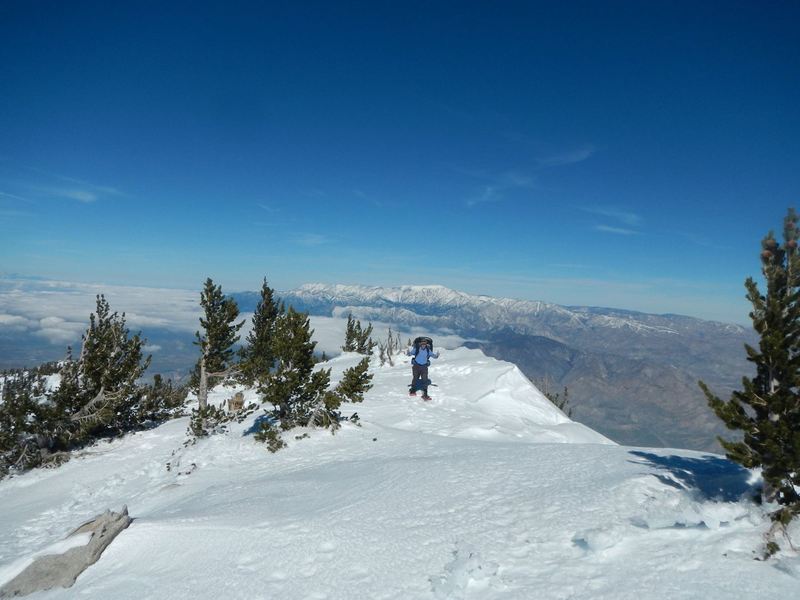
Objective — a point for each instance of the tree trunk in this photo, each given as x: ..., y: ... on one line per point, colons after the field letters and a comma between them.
x: 202, y: 390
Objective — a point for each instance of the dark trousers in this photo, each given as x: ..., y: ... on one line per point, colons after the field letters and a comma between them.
x: 419, y: 380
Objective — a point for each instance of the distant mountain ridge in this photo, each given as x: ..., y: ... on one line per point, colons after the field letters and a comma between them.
x: 631, y: 375
x: 494, y: 312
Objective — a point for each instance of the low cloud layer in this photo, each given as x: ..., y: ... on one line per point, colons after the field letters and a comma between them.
x: 58, y: 312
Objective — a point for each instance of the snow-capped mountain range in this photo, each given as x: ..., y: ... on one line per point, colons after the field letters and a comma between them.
x: 463, y: 311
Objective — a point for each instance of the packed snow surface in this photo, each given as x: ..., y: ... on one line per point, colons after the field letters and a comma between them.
x: 487, y: 491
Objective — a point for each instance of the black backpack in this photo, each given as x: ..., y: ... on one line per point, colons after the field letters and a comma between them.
x: 418, y: 340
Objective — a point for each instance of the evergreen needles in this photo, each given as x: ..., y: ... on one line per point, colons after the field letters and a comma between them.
x: 278, y: 359
x: 767, y: 410
x: 99, y: 396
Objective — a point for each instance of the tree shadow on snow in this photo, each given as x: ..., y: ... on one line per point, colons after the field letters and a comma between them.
x: 710, y: 477
x: 256, y: 426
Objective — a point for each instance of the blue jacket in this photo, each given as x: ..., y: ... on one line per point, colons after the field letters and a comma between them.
x: 423, y: 357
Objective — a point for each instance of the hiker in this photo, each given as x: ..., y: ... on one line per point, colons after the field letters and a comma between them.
x: 422, y: 353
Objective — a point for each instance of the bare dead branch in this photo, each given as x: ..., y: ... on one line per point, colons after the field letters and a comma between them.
x: 91, y: 409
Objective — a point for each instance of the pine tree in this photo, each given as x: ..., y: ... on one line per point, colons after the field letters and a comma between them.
x: 20, y: 420
x: 111, y: 361
x: 299, y: 394
x: 217, y: 341
x: 65, y: 401
x: 99, y: 391
x: 160, y: 401
x: 357, y: 339
x: 350, y: 341
x: 767, y: 410
x: 98, y: 395
x: 287, y: 388
x: 355, y: 382
x: 364, y: 343
x: 270, y: 435
x: 545, y: 385
x: 257, y: 355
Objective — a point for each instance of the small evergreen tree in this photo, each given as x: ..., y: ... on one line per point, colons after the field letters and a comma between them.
x: 207, y: 421
x: 217, y: 341
x: 355, y: 382
x: 160, y: 401
x: 364, y: 344
x: 767, y: 409
x: 544, y: 385
x: 98, y: 395
x: 20, y: 421
x: 99, y: 391
x: 350, y: 342
x: 299, y: 394
x: 357, y: 339
x: 257, y: 357
x: 293, y: 385
x: 270, y: 435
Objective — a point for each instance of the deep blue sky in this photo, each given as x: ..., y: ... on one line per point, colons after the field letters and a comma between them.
x: 627, y: 154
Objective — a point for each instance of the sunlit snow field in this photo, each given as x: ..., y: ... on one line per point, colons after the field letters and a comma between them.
x: 487, y: 491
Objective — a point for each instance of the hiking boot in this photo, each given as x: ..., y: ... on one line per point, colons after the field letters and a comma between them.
x: 425, y: 397
x: 412, y: 392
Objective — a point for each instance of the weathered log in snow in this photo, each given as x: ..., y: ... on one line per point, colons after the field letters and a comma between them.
x: 63, y: 569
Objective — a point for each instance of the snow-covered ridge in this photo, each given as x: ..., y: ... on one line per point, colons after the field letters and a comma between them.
x: 465, y: 496
x: 482, y: 311
x: 475, y: 397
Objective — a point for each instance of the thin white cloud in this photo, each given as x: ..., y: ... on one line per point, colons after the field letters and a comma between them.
x: 81, y: 195
x: 516, y: 179
x: 13, y: 197
x: 703, y: 241
x: 98, y: 189
x: 490, y: 193
x: 500, y: 185
x: 626, y: 217
x: 615, y: 230
x: 570, y: 157
x: 546, y: 155
x: 52, y: 185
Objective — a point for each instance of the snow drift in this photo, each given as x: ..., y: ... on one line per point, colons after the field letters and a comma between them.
x: 488, y: 491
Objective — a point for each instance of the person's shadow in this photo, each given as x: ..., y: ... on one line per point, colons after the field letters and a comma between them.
x: 710, y: 477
